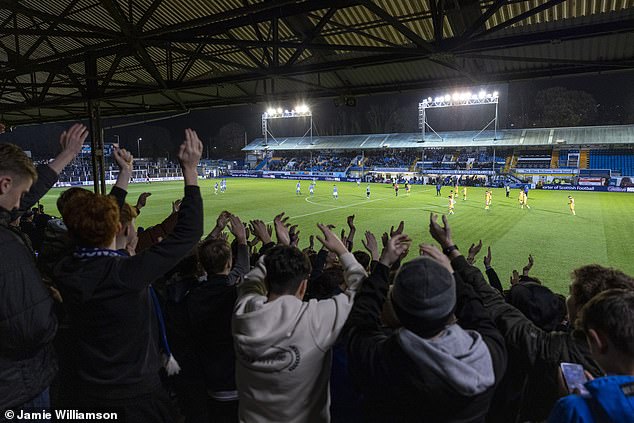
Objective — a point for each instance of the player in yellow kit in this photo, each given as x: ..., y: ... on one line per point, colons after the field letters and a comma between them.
x: 521, y: 198
x: 452, y: 204
x: 487, y: 199
x: 464, y: 193
x: 571, y: 204
x: 526, y: 201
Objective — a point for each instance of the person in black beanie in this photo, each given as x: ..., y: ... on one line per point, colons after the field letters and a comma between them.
x: 445, y: 360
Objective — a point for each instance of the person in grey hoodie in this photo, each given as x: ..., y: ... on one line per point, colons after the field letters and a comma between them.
x: 443, y: 363
x: 283, y: 344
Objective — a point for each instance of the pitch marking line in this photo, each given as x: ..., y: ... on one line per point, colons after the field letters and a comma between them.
x: 342, y: 207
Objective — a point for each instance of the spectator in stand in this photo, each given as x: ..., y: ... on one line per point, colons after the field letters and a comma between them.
x: 126, y: 237
x: 529, y: 346
x: 57, y: 243
x: 27, y: 321
x: 110, y: 301
x: 445, y: 360
x: 284, y: 342
x: 209, y: 310
x: 608, y: 324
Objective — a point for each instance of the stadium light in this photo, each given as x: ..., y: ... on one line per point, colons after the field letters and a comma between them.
x: 463, y: 98
x: 300, y: 110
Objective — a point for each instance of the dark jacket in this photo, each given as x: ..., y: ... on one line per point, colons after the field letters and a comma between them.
x: 396, y: 387
x: 530, y: 347
x: 27, y: 321
x: 210, y: 308
x: 111, y: 312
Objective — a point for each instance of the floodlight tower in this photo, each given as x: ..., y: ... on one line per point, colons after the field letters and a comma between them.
x: 279, y: 113
x: 458, y: 99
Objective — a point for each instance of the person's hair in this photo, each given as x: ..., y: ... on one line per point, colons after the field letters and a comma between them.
x: 126, y: 214
x: 92, y: 219
x: 286, y: 268
x: 612, y: 313
x: 327, y: 284
x: 15, y: 162
x: 590, y: 280
x: 214, y: 254
x: 67, y: 195
x: 538, y: 303
x: 363, y: 258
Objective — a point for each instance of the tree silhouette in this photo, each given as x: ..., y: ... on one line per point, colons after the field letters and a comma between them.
x: 558, y: 106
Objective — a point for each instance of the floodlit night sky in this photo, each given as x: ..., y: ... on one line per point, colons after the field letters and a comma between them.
x: 613, y: 92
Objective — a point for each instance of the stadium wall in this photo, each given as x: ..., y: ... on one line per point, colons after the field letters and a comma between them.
x: 586, y: 188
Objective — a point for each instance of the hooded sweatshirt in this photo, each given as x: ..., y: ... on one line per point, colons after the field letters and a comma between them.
x: 283, y: 348
x: 455, y: 361
x: 406, y: 378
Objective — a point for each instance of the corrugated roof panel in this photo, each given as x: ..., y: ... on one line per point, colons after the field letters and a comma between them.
x: 95, y: 15
x: 360, y: 18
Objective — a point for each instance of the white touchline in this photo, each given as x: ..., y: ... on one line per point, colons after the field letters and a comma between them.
x: 340, y: 207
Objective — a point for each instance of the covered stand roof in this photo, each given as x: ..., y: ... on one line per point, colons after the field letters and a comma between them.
x: 534, y: 137
x: 144, y: 56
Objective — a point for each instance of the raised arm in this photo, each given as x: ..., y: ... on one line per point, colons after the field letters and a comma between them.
x: 242, y: 259
x: 71, y: 142
x: 124, y: 160
x: 520, y: 334
x: 150, y: 264
x: 363, y: 329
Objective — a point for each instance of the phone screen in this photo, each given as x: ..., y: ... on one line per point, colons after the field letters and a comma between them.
x: 575, y: 377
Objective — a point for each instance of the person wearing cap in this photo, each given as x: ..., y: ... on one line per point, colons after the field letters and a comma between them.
x: 444, y: 359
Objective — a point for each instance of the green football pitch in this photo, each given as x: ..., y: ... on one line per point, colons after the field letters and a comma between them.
x: 601, y: 232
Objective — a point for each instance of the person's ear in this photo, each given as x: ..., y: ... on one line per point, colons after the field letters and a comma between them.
x: 301, y: 290
x: 6, y: 182
x: 598, y: 342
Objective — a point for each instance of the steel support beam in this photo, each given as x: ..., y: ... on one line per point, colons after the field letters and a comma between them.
x: 96, y: 132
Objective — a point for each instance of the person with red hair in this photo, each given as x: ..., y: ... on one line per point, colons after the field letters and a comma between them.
x: 115, y: 316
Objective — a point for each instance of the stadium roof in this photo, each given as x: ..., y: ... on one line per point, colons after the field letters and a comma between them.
x: 145, y: 56
x: 544, y: 137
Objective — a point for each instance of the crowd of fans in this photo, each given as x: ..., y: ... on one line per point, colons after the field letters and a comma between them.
x: 161, y: 326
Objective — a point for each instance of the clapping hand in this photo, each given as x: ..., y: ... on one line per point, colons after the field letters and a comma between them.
x: 281, y: 229
x: 394, y: 249
x: 442, y: 234
x: 473, y: 252
x: 371, y: 245
x: 330, y: 240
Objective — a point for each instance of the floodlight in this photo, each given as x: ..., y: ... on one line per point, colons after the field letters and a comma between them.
x: 458, y: 98
x: 279, y: 110
x: 270, y: 111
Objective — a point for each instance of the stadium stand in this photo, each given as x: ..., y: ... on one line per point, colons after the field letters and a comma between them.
x: 524, y: 150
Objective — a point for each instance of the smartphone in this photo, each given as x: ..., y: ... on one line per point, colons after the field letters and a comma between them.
x: 574, y: 377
